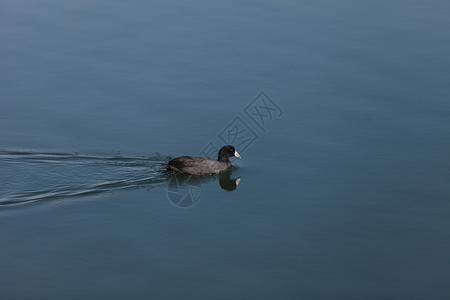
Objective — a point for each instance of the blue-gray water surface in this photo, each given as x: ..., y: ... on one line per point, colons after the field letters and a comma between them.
x: 339, y: 109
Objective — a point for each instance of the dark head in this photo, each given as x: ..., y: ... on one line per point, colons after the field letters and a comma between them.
x: 227, y: 151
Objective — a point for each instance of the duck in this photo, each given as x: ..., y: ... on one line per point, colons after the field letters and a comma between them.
x: 201, y: 165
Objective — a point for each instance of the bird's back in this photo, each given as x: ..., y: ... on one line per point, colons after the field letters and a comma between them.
x: 197, y: 165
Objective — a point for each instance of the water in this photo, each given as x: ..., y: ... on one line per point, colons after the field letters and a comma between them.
x: 37, y: 177
x: 344, y: 195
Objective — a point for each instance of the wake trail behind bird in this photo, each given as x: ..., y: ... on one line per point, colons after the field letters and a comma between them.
x: 28, y: 176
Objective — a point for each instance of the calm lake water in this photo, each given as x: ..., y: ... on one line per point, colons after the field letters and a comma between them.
x: 344, y: 189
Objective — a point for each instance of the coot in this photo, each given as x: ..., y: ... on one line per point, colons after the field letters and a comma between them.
x: 203, y: 166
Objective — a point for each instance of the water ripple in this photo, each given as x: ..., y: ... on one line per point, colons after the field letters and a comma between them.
x: 28, y: 177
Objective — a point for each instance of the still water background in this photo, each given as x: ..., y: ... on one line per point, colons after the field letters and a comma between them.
x: 345, y: 196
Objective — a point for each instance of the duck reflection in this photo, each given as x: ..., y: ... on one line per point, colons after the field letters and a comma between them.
x: 227, y: 183
x: 185, y: 190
